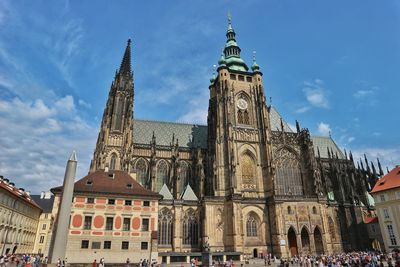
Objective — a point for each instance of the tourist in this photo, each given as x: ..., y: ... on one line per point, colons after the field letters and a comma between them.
x: 94, y: 264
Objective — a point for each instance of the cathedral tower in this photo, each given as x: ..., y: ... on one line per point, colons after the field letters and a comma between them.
x: 115, y: 136
x: 239, y: 154
x: 238, y: 126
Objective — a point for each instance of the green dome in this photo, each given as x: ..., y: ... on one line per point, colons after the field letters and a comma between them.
x: 255, y: 66
x: 222, y: 61
x: 236, y: 63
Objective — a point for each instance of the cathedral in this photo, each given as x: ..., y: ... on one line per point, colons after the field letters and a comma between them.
x: 245, y: 184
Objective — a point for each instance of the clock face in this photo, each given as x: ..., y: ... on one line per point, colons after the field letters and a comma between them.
x: 241, y: 103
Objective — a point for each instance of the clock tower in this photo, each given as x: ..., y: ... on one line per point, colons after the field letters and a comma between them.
x: 238, y: 127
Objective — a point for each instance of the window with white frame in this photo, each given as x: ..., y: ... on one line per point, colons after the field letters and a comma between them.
x: 392, y: 236
x: 386, y: 214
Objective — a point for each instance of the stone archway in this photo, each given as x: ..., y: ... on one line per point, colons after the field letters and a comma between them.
x: 292, y: 240
x: 319, y: 245
x: 305, y: 241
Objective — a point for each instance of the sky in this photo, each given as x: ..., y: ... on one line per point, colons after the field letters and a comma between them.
x: 331, y: 65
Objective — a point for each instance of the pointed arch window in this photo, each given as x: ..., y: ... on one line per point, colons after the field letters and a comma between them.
x: 113, y: 162
x: 184, y: 175
x: 243, y: 117
x: 248, y: 171
x: 162, y: 174
x: 165, y: 227
x: 331, y: 227
x: 141, y: 171
x: 288, y: 173
x: 118, y: 114
x: 251, y: 226
x: 190, y: 228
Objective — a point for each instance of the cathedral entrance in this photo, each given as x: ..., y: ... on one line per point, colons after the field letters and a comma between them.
x: 319, y: 245
x: 305, y: 241
x: 255, y: 253
x: 292, y: 242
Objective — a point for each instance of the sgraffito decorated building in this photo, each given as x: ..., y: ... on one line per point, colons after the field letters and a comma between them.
x: 245, y: 183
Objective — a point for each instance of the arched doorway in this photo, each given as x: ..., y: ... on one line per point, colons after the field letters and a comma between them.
x: 305, y: 241
x: 319, y: 245
x: 292, y: 242
x: 255, y: 253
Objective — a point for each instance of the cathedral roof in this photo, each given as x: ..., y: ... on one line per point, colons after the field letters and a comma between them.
x: 189, y: 194
x: 166, y: 193
x: 194, y: 135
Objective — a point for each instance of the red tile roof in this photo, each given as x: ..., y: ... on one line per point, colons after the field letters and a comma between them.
x: 22, y: 195
x: 368, y: 220
x: 389, y: 181
x: 111, y: 182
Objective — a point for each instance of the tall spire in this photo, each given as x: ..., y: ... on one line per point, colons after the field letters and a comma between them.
x: 232, y: 50
x: 125, y: 67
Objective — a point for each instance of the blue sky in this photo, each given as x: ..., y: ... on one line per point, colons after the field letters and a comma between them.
x: 332, y: 65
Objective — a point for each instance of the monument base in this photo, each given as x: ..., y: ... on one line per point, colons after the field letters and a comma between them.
x: 206, y: 259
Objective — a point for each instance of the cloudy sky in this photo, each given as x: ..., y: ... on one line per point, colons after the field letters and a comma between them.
x: 334, y: 66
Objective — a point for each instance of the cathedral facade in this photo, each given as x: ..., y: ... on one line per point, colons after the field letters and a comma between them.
x: 245, y: 183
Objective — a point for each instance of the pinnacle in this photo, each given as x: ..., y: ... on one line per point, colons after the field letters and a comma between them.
x: 126, y: 60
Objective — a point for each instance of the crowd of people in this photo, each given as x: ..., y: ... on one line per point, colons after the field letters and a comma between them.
x: 353, y: 259
x: 22, y: 260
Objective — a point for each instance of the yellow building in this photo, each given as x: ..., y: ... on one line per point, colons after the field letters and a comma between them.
x: 42, y: 242
x: 19, y: 218
x: 112, y: 217
x: 386, y: 193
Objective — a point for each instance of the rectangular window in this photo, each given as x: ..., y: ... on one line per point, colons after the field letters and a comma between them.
x: 111, y: 201
x: 125, y: 245
x: 128, y: 202
x: 85, y: 244
x: 249, y: 79
x: 382, y: 197
x: 144, y: 245
x: 392, y: 237
x: 233, y: 77
x: 96, y: 245
x: 41, y: 239
x: 88, y: 223
x: 146, y: 203
x: 90, y: 200
x: 386, y: 214
x: 127, y: 224
x: 145, y: 224
x: 107, y: 245
x: 241, y: 78
x: 44, y: 227
x: 109, y: 223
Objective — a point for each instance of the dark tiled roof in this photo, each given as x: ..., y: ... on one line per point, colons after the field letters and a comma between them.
x: 186, y: 133
x: 389, y: 181
x: 111, y: 182
x: 45, y: 203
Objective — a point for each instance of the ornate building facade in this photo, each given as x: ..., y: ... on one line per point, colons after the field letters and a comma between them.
x: 245, y: 183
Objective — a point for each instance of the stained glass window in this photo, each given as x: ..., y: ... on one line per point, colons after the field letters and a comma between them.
x: 165, y: 227
x: 288, y: 174
x: 251, y: 226
x: 190, y: 228
x: 141, y: 171
x: 162, y: 174
x: 248, y: 171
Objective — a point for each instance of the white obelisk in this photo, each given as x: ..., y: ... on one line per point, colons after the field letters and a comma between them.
x: 62, y: 223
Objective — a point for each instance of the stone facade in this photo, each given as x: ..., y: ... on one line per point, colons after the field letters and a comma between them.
x: 19, y: 218
x: 261, y: 187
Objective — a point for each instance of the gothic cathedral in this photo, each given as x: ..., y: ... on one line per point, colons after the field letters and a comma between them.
x: 245, y: 183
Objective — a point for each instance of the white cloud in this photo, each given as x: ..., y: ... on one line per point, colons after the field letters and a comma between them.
x: 363, y: 93
x: 36, y: 141
x: 324, y: 129
x: 315, y: 94
x: 350, y: 139
x: 303, y: 109
x: 84, y: 104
